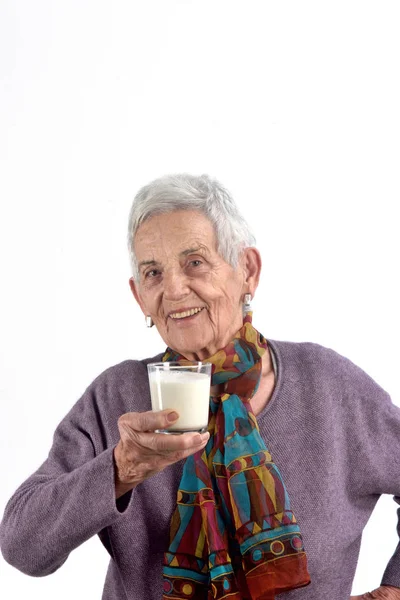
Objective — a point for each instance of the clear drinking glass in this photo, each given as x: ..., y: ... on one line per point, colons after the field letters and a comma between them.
x: 185, y: 388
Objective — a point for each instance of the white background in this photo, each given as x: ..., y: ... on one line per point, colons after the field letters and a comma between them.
x: 294, y: 106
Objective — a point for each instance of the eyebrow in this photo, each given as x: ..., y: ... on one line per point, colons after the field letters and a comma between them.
x: 145, y: 263
x: 191, y: 251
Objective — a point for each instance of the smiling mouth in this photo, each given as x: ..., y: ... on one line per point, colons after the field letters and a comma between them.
x: 187, y: 313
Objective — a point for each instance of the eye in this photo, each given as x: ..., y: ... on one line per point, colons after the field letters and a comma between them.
x: 195, y: 263
x: 152, y: 273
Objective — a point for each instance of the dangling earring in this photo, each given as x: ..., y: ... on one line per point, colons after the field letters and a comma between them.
x: 247, y: 303
x: 149, y: 321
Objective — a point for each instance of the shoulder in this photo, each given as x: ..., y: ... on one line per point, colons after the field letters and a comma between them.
x: 127, y: 379
x: 315, y: 361
x: 123, y: 372
x: 120, y: 388
x: 309, y: 355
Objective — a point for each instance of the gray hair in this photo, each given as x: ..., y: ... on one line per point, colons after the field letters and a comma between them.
x: 189, y: 192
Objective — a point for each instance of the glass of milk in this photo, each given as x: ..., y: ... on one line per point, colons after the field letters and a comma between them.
x: 185, y: 388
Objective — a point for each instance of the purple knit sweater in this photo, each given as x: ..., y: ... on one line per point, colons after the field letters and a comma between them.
x: 333, y: 433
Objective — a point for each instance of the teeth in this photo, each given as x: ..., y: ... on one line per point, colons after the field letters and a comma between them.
x: 187, y: 313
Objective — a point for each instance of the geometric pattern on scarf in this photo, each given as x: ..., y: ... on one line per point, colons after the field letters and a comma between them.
x: 233, y: 534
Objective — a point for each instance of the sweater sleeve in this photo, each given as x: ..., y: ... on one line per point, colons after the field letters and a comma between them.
x: 374, y: 429
x: 67, y: 500
x: 390, y: 457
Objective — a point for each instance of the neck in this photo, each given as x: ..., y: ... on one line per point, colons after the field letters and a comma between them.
x: 267, y: 383
x: 214, y: 347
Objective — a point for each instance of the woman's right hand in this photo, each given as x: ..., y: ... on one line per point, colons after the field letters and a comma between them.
x: 140, y: 453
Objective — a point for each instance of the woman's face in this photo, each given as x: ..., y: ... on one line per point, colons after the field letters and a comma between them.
x: 194, y: 297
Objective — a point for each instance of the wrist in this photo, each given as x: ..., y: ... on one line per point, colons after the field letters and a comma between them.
x: 121, y: 486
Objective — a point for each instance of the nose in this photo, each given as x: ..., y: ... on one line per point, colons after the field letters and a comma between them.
x: 176, y: 285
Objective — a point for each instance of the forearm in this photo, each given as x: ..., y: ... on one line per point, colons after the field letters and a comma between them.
x: 48, y: 517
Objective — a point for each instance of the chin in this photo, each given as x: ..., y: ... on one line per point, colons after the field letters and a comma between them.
x: 191, y: 351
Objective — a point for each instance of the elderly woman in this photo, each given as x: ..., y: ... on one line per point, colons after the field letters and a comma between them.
x: 274, y: 497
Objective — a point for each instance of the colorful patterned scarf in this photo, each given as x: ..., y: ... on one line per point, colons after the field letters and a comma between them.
x: 233, y: 534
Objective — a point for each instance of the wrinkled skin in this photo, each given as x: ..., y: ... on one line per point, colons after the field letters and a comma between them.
x: 140, y: 453
x: 180, y: 268
x: 384, y: 592
x: 173, y: 278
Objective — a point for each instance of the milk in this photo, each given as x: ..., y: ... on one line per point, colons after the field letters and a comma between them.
x: 185, y: 392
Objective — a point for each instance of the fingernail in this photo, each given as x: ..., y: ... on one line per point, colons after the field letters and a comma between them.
x: 204, y: 437
x: 172, y: 416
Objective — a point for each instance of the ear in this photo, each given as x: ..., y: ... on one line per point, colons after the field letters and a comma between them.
x: 251, y: 263
x: 136, y: 295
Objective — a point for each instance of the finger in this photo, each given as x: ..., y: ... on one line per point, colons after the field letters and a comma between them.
x: 180, y: 455
x: 167, y: 458
x: 166, y: 444
x: 148, y: 421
